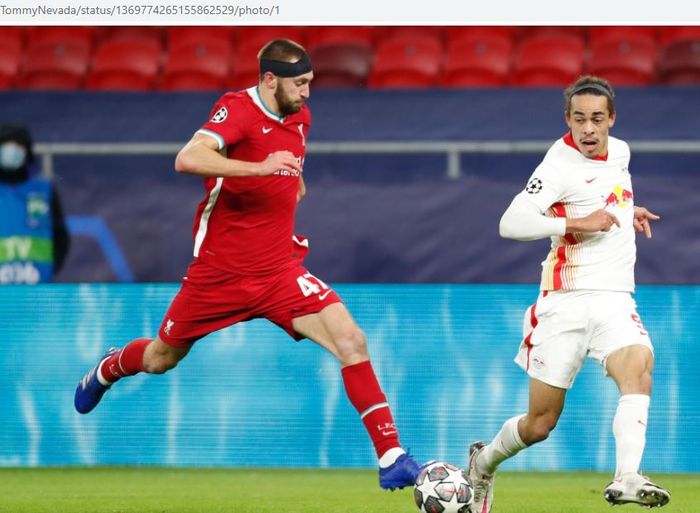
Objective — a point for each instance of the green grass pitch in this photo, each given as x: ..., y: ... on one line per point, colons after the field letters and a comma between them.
x: 158, y: 490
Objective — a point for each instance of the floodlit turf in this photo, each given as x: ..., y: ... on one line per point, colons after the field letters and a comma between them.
x: 155, y: 490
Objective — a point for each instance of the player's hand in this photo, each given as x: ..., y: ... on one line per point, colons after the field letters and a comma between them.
x: 599, y: 221
x: 279, y: 160
x: 301, y: 192
x: 641, y: 220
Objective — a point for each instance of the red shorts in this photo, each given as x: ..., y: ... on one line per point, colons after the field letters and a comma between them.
x: 211, y: 299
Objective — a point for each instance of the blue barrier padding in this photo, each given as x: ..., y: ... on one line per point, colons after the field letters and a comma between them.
x: 250, y: 396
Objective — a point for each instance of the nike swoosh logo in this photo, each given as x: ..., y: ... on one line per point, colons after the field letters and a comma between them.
x: 323, y: 296
x: 587, y: 181
x: 266, y: 130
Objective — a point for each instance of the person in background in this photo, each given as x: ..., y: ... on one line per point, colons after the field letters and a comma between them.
x: 34, y: 240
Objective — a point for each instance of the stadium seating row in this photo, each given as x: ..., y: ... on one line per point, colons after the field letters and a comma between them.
x: 204, y: 58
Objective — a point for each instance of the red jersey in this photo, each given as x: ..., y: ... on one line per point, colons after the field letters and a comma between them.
x: 245, y: 224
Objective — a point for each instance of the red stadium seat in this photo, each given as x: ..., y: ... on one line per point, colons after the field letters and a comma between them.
x: 318, y: 37
x: 530, y: 32
x: 479, y: 61
x: 457, y: 34
x: 135, y: 32
x: 209, y: 36
x: 55, y: 66
x: 406, y: 63
x: 680, y: 64
x: 12, y: 36
x: 125, y: 64
x: 384, y: 34
x: 548, y: 61
x: 605, y: 34
x: 77, y: 36
x: 342, y: 56
x: 671, y: 35
x: 244, y: 68
x: 625, y: 62
x: 10, y: 56
x: 259, y: 36
x: 341, y: 65
x: 196, y: 67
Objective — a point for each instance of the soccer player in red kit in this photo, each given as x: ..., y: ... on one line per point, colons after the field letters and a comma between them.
x: 248, y: 262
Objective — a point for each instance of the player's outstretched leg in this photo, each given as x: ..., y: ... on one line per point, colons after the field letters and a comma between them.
x: 637, y: 489
x: 484, y: 460
x: 482, y: 483
x: 114, y: 365
x: 334, y: 329
x: 90, y: 390
x: 397, y: 469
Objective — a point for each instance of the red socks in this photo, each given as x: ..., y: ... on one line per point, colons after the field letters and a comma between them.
x: 366, y: 396
x: 127, y: 362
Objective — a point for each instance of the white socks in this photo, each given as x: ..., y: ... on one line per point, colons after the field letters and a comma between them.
x: 506, y: 444
x: 630, y: 429
x: 390, y: 456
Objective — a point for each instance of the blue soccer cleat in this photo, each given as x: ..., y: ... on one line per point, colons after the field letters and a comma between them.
x: 403, y: 472
x: 90, y: 391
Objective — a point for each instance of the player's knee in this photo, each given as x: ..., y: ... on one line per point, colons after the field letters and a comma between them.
x: 539, y: 428
x: 637, y: 377
x: 352, y: 347
x: 159, y: 364
x: 643, y: 383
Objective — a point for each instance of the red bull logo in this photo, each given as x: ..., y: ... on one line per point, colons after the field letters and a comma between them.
x: 619, y: 197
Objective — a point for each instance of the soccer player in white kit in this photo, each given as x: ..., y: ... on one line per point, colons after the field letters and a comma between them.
x: 580, y: 196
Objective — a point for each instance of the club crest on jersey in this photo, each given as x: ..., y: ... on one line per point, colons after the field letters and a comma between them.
x: 220, y: 115
x: 619, y: 197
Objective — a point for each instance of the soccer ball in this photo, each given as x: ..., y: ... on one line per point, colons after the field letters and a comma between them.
x: 443, y: 488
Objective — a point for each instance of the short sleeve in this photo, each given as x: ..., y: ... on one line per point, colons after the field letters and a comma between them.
x: 544, y: 188
x: 226, y: 122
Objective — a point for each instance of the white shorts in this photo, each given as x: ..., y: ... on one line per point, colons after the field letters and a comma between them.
x: 564, y: 327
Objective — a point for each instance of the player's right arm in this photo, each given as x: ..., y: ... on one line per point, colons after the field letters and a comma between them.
x: 525, y: 218
x: 201, y: 157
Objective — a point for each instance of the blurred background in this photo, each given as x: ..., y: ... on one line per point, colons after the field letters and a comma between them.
x: 420, y: 138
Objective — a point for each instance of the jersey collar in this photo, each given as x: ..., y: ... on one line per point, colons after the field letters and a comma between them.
x: 569, y: 141
x: 254, y: 94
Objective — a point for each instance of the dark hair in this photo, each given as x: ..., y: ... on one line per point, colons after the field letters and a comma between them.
x: 590, y: 84
x: 284, y: 50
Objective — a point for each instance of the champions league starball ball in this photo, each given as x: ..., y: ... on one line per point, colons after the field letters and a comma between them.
x: 443, y: 488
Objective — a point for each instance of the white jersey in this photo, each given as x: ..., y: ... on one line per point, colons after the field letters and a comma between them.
x: 567, y: 184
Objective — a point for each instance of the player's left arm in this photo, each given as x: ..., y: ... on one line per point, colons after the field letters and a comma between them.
x: 642, y: 220
x: 302, y: 189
